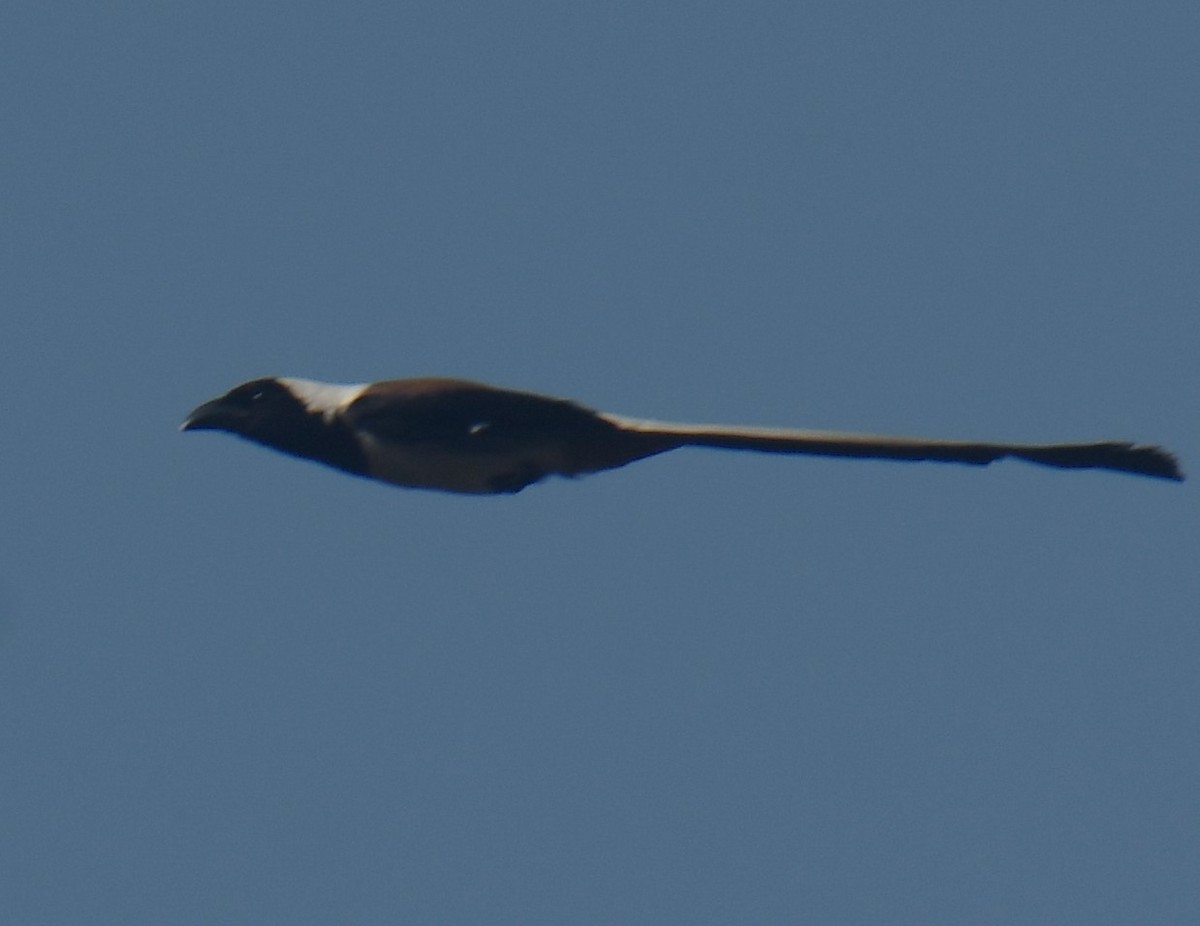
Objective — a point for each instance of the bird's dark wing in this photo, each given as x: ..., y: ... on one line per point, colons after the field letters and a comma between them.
x: 469, y: 416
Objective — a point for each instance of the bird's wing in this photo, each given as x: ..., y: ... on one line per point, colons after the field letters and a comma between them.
x: 468, y: 415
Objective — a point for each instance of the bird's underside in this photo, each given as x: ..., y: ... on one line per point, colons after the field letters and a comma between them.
x: 458, y: 436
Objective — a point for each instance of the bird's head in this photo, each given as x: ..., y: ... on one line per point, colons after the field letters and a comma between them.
x: 260, y: 410
x: 296, y: 416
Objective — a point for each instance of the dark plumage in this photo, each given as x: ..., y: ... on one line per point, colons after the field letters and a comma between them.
x: 459, y: 436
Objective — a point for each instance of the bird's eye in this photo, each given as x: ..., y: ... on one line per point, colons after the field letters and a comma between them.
x: 248, y: 398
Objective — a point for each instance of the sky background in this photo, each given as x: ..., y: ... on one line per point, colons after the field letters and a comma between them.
x: 711, y: 688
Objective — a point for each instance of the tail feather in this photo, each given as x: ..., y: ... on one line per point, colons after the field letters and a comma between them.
x: 1118, y: 456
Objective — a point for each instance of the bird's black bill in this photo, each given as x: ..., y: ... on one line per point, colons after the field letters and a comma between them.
x: 216, y: 415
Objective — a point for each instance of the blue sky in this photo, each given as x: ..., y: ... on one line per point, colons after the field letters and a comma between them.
x: 711, y: 687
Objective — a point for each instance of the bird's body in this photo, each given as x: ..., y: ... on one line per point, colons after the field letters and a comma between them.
x: 459, y: 436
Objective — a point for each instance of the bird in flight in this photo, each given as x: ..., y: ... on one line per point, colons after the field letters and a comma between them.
x: 458, y: 436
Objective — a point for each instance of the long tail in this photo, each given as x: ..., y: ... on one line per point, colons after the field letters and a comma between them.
x: 1120, y: 456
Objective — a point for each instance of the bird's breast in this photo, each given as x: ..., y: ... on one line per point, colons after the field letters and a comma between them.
x: 428, y: 465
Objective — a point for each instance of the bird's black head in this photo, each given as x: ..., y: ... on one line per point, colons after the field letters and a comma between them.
x: 268, y: 412
x: 257, y: 410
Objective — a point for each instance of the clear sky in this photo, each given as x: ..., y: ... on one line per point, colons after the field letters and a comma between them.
x: 711, y: 688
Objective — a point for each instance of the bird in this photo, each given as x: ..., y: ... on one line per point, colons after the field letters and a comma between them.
x: 453, y: 435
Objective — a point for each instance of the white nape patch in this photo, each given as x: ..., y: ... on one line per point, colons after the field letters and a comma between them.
x: 324, y: 398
